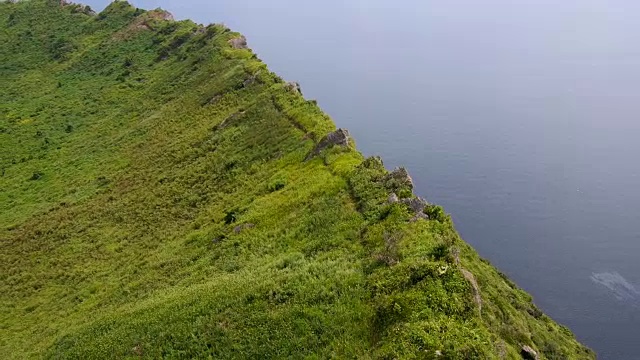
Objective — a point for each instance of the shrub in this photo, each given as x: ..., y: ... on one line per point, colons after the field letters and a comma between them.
x: 276, y: 185
x: 436, y: 212
x: 59, y: 47
x: 36, y: 176
x: 230, y: 217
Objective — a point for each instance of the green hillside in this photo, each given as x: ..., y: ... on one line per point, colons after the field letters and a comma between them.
x: 163, y: 194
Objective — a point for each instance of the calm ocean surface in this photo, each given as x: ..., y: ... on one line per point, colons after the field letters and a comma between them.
x: 522, y: 118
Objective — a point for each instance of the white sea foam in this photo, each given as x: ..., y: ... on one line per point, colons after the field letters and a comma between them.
x: 618, y: 285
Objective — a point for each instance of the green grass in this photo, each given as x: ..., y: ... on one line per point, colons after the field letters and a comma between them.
x: 155, y: 202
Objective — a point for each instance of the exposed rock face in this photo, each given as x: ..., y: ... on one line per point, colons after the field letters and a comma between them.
x: 295, y: 87
x: 239, y: 43
x: 250, y: 80
x: 502, y: 350
x: 476, y: 289
x: 399, y: 178
x: 416, y: 204
x: 160, y: 14
x: 393, y: 198
x: 145, y: 22
x: 455, y: 252
x: 419, y: 216
x: 339, y: 137
x: 528, y: 353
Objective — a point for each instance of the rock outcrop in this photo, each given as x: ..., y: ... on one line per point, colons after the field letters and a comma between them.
x: 239, y: 42
x: 416, y: 204
x: 398, y: 178
x: 477, y: 298
x: 294, y: 87
x: 339, y: 137
x: 528, y: 353
x: 252, y: 79
x: 160, y: 14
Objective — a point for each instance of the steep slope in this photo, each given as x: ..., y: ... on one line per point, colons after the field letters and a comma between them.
x: 163, y: 194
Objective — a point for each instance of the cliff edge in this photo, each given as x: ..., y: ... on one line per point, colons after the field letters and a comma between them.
x: 163, y: 194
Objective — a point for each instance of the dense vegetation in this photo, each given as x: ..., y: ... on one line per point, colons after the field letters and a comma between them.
x: 160, y: 196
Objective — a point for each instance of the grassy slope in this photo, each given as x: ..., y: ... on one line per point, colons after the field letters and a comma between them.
x: 132, y: 151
